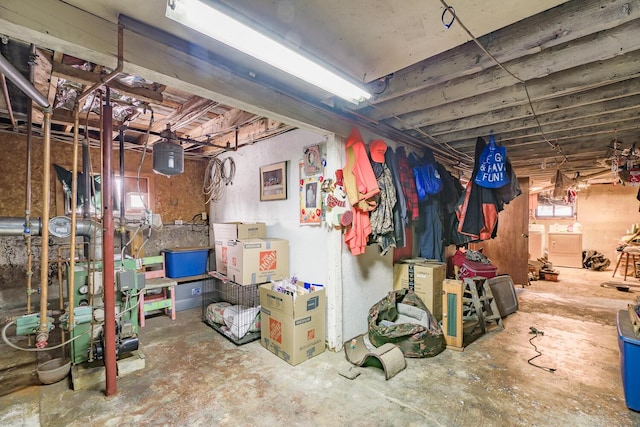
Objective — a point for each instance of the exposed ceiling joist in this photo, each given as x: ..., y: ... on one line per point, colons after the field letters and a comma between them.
x: 561, y: 25
x: 578, y: 61
x: 88, y: 78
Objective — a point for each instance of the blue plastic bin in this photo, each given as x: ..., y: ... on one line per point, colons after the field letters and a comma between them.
x: 629, y: 345
x: 184, y: 262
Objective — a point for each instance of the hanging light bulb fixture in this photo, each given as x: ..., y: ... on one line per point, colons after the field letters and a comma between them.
x: 168, y: 156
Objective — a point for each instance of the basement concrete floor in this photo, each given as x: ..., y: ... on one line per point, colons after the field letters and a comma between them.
x: 196, y: 377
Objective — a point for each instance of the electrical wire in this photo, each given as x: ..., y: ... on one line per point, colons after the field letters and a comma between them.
x: 118, y: 315
x: 537, y: 333
x: 12, y: 345
x: 127, y: 300
x: 218, y: 172
x: 129, y: 242
x: 143, y: 243
x: 425, y: 134
x: 144, y: 152
x: 455, y: 18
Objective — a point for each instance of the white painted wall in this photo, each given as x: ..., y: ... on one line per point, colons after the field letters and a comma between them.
x: 317, y: 254
x: 367, y: 279
x: 241, y: 202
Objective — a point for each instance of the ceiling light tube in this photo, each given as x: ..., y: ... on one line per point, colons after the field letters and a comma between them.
x: 207, y: 20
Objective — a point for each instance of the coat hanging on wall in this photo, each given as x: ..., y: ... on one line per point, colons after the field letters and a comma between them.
x: 478, y: 207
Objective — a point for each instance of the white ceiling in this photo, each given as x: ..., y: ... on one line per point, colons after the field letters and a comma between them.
x: 366, y: 39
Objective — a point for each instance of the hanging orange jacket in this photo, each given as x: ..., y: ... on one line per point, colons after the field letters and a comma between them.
x: 359, y: 180
x: 361, y: 186
x: 357, y: 235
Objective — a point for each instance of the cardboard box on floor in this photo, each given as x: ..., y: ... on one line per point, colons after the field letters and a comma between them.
x: 292, y: 330
x: 427, y: 277
x: 230, y: 231
x: 253, y: 261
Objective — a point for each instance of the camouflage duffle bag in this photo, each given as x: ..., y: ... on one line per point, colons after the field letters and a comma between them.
x: 415, y: 340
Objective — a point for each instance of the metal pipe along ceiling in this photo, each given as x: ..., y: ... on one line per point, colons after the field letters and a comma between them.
x: 114, y: 73
x: 15, y: 226
x: 21, y: 81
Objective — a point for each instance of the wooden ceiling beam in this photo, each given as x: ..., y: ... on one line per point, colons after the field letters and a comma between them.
x: 579, y: 79
x: 565, y: 23
x: 597, y: 96
x: 626, y: 131
x: 65, y: 117
x: 88, y: 78
x: 192, y: 109
x: 531, y: 69
x: 223, y: 123
x: 246, y: 134
x: 601, y: 113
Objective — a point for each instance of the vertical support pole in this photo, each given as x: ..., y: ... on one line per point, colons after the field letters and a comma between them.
x: 27, y: 208
x: 121, y: 130
x: 334, y: 245
x: 107, y: 250
x: 74, y: 217
x: 43, y: 332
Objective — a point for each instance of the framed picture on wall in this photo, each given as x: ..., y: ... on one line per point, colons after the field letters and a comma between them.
x: 310, y: 198
x: 312, y: 160
x: 273, y: 181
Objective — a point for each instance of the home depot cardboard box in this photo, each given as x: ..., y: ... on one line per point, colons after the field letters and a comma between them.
x: 253, y: 261
x: 230, y: 231
x: 426, y: 277
x: 293, y: 330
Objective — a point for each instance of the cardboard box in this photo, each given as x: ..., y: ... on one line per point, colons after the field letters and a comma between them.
x: 253, y: 261
x: 426, y: 277
x: 292, y: 330
x: 230, y: 231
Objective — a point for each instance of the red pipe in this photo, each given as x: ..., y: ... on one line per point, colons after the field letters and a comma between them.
x: 107, y: 250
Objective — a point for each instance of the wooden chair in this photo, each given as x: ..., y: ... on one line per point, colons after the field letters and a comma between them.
x: 631, y: 252
x: 155, y: 278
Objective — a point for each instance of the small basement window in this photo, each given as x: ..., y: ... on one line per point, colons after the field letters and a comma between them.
x: 555, y: 211
x: 138, y: 195
x: 550, y: 207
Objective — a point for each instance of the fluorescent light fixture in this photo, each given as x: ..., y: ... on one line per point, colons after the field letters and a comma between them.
x: 207, y: 20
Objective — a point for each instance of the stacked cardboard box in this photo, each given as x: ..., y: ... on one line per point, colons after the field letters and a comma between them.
x: 253, y: 261
x: 292, y: 329
x: 224, y: 233
x: 425, y: 277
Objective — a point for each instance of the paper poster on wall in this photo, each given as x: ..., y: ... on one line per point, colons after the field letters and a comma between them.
x: 312, y: 160
x: 310, y: 198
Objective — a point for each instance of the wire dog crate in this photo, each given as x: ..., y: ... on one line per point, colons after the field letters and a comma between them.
x: 232, y: 309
